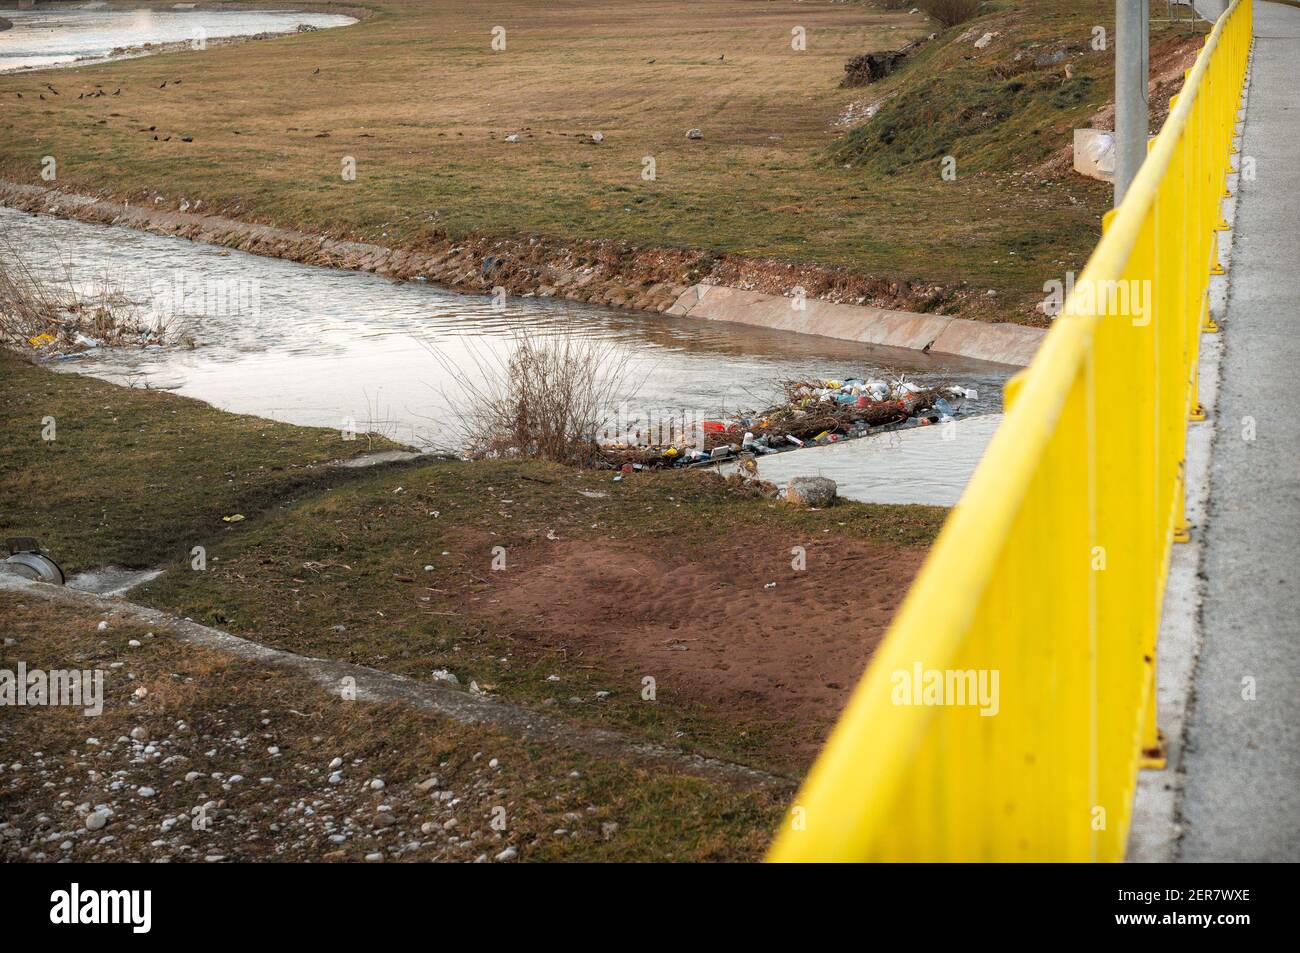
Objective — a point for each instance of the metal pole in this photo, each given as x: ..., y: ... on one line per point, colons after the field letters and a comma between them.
x: 1132, y: 18
x: 1146, y: 65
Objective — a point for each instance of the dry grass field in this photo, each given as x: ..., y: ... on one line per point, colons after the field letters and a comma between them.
x: 416, y: 94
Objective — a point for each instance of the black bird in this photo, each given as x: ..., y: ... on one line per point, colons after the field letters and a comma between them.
x: 315, y: 71
x: 20, y: 95
x: 119, y: 91
x: 42, y: 95
x: 51, y: 89
x: 722, y: 57
x: 164, y: 85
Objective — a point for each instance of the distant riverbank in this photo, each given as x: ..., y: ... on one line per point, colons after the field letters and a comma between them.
x: 61, y: 37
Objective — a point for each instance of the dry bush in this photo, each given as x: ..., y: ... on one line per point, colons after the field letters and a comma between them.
x: 545, y: 396
x: 37, y: 312
x: 28, y: 306
x: 950, y: 12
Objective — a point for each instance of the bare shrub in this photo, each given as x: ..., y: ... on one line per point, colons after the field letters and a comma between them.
x: 544, y: 396
x: 39, y: 312
x: 950, y: 12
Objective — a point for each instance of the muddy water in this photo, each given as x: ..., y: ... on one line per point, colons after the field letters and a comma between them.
x: 335, y: 348
x: 58, y: 37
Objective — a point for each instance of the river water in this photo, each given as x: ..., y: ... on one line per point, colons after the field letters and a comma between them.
x: 340, y: 349
x: 57, y: 37
x: 325, y: 347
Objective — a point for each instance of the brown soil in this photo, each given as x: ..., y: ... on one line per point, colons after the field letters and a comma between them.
x: 712, y: 634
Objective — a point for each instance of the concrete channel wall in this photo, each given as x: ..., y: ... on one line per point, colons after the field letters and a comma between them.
x: 1003, y: 343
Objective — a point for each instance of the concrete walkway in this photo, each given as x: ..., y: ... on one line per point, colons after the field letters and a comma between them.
x: 1241, y: 796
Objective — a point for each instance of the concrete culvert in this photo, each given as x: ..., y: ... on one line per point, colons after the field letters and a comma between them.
x: 26, y: 559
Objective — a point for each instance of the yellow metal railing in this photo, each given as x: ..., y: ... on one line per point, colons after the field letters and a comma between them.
x: 1008, y: 710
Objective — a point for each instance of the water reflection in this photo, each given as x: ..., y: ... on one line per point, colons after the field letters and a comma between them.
x: 56, y: 37
x: 320, y: 346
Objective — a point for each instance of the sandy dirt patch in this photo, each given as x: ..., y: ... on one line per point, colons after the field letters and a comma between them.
x: 712, y: 632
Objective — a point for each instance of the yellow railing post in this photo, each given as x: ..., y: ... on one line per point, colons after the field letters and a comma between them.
x: 1011, y: 704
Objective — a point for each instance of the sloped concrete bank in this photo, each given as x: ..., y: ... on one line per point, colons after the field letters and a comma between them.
x: 675, y: 282
x: 935, y: 333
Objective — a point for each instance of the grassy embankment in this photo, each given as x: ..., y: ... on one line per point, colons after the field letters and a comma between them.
x: 137, y: 478
x: 418, y: 97
x: 604, y: 582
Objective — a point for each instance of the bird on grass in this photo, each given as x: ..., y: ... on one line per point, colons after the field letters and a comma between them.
x: 315, y: 71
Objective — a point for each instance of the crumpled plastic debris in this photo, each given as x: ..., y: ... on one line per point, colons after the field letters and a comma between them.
x: 814, y: 412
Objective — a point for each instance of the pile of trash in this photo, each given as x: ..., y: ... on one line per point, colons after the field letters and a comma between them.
x: 55, y: 317
x: 812, y: 413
